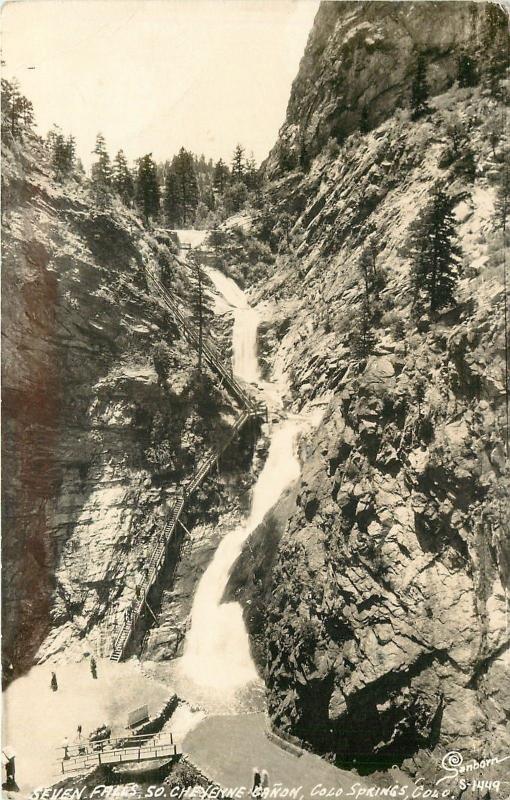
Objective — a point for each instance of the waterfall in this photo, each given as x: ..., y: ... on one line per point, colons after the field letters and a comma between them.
x: 246, y: 322
x: 217, y: 650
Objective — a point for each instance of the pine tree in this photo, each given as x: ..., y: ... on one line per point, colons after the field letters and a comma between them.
x: 420, y: 89
x: 101, y: 172
x: 373, y: 278
x: 238, y: 166
x: 362, y: 339
x: 58, y: 160
x: 495, y: 46
x: 304, y: 159
x: 122, y: 179
x: 235, y: 197
x: 200, y: 304
x: 70, y: 152
x: 251, y: 175
x: 26, y: 112
x: 457, y: 133
x: 172, y: 205
x: 63, y: 154
x: 436, y: 254
x: 17, y: 110
x: 184, y: 170
x: 221, y: 176
x: 364, y: 122
x: 466, y: 70
x: 364, y: 265
x: 147, y: 194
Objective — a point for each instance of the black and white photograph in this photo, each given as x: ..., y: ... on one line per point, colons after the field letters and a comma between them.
x: 255, y: 399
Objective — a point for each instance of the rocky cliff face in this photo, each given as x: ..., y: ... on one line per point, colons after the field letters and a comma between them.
x: 384, y: 609
x: 95, y: 442
x: 359, y: 62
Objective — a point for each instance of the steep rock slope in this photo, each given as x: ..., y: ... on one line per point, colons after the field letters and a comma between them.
x: 359, y: 61
x: 385, y: 610
x: 95, y: 442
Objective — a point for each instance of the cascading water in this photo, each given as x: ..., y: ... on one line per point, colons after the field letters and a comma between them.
x: 246, y: 322
x: 217, y: 650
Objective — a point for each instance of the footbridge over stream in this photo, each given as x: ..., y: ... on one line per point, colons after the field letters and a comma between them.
x: 251, y: 409
x: 116, y: 752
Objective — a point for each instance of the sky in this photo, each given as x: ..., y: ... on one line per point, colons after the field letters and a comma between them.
x: 155, y: 75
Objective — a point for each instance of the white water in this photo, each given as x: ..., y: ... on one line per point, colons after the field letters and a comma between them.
x: 217, y: 650
x: 245, y: 363
x: 191, y: 236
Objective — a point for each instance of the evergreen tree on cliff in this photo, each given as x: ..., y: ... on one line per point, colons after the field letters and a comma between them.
x: 435, y: 253
x: 419, y: 89
x: 172, y: 205
x: 237, y: 171
x: 122, y: 179
x: 466, y: 70
x: 147, y: 193
x: 362, y: 339
x: 251, y: 176
x: 495, y: 45
x: 17, y: 110
x: 373, y: 278
x: 101, y: 172
x: 63, y: 154
x: 200, y: 304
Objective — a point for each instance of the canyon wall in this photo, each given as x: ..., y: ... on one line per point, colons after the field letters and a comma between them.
x: 96, y: 440
x: 381, y: 619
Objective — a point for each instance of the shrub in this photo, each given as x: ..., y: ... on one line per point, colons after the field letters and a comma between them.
x: 162, y: 358
x: 332, y: 149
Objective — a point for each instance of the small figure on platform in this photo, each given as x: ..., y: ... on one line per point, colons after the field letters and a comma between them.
x: 9, y: 769
x: 264, y: 783
x: 93, y: 668
x: 256, y: 783
x: 81, y: 744
x: 53, y: 682
x: 65, y: 745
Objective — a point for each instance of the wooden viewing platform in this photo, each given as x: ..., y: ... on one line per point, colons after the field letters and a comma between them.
x: 125, y: 750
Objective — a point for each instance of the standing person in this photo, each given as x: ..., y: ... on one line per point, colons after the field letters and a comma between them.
x: 65, y: 745
x: 93, y: 667
x: 81, y: 744
x: 255, y: 788
x: 53, y: 682
x: 264, y: 783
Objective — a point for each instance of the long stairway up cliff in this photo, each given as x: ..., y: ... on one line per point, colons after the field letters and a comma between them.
x: 382, y: 612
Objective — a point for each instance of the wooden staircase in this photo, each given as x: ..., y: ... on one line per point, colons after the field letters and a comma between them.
x: 153, y: 569
x: 209, y: 352
x: 252, y: 409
